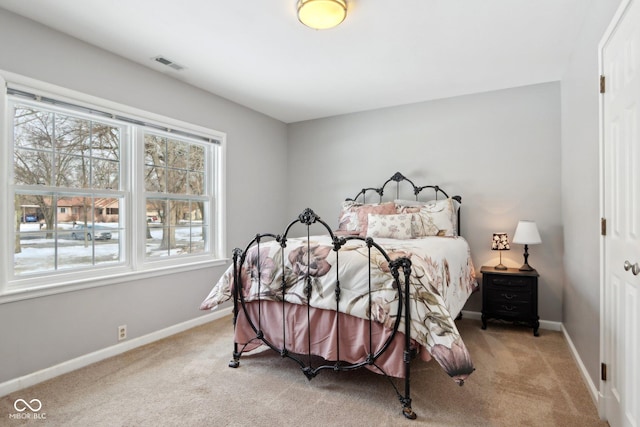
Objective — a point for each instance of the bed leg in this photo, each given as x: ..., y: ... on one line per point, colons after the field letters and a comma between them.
x: 406, y: 400
x: 408, y: 412
x: 235, y: 362
x: 237, y: 255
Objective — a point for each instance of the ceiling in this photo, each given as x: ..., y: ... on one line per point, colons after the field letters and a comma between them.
x: 385, y: 53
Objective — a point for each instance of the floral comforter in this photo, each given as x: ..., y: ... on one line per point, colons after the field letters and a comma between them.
x: 442, y: 278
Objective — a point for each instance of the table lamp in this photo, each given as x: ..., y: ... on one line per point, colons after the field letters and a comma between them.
x: 526, y: 234
x: 500, y: 243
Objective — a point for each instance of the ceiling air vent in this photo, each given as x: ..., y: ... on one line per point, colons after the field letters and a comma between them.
x: 168, y: 63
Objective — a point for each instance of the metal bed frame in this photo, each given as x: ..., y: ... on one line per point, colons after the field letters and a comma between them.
x: 306, y: 361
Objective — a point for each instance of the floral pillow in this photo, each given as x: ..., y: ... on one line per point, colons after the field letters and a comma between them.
x: 348, y: 218
x: 392, y: 226
x: 365, y: 210
x: 353, y: 217
x: 432, y: 218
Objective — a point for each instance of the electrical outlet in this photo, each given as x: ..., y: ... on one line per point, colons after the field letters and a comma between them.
x: 122, y: 332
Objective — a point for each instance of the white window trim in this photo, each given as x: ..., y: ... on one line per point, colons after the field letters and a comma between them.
x: 137, y: 268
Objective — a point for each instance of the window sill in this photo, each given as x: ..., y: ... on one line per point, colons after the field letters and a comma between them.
x: 18, y: 293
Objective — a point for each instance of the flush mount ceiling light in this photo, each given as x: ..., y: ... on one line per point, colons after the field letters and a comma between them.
x: 322, y: 14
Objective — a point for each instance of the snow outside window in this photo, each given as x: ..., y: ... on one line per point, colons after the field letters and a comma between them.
x: 96, y: 193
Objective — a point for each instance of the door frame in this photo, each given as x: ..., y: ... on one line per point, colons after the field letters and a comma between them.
x: 613, y: 25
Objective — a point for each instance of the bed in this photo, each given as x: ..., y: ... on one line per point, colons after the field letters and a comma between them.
x: 379, y: 291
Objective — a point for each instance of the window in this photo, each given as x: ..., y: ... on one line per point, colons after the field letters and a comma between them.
x: 174, y: 178
x: 95, y: 191
x: 64, y: 161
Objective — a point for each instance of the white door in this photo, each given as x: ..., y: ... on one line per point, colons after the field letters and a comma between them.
x: 620, y: 114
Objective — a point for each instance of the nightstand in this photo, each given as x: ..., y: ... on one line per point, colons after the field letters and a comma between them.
x: 510, y: 295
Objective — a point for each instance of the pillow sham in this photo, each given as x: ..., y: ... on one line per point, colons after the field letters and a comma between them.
x: 364, y: 211
x: 432, y: 216
x: 396, y: 226
x: 348, y: 218
x: 353, y: 216
x: 435, y: 218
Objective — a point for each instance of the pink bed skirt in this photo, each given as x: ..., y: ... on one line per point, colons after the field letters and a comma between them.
x: 354, y: 335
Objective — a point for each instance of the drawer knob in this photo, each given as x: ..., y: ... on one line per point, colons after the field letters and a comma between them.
x: 509, y: 296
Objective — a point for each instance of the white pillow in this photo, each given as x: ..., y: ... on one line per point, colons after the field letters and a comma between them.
x: 392, y: 226
x: 435, y: 218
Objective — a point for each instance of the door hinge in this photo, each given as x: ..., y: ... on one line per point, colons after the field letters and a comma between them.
x: 602, y: 84
x: 603, y: 226
x: 603, y: 371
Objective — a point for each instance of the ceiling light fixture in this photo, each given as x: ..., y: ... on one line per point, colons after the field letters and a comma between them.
x: 322, y: 14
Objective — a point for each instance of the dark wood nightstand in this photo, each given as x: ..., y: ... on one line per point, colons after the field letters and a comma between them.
x: 510, y: 295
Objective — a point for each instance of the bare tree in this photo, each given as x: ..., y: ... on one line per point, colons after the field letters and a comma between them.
x: 57, y: 150
x: 61, y: 151
x: 173, y: 167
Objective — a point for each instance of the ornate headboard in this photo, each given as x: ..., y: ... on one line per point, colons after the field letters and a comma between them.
x: 417, y: 191
x: 398, y: 178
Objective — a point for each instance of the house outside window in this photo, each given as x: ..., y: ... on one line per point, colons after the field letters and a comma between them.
x: 91, y: 191
x: 61, y: 160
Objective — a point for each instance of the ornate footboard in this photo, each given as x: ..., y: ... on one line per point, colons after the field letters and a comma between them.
x: 294, y: 285
x: 353, y: 301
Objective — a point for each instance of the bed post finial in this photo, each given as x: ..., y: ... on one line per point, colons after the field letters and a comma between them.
x: 308, y: 217
x: 398, y: 177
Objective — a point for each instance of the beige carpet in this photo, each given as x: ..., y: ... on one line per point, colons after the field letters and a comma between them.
x: 520, y: 380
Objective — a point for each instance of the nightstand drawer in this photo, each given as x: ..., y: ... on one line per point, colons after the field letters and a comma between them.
x: 510, y: 281
x: 509, y: 308
x: 506, y: 294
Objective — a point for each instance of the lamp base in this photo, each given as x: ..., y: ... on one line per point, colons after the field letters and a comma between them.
x: 500, y: 267
x: 526, y: 267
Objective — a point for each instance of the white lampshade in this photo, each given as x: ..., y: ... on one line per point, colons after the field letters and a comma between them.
x: 322, y: 14
x: 526, y: 233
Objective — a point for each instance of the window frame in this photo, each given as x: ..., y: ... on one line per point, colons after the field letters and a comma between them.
x: 135, y: 265
x: 210, y: 166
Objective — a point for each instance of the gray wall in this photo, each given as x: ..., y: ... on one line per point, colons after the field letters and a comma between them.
x: 499, y: 150
x: 41, y: 332
x: 580, y: 188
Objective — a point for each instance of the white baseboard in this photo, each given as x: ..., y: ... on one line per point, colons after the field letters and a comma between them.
x: 87, y: 359
x: 544, y: 324
x: 475, y: 315
x: 593, y: 390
